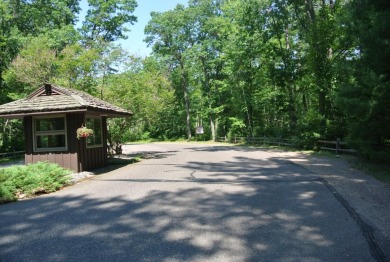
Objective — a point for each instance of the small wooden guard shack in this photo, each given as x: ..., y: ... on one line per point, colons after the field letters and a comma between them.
x: 52, y: 114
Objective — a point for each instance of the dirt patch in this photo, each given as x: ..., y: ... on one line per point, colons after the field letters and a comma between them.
x: 369, y: 197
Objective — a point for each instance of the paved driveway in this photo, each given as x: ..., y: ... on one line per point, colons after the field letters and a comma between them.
x: 189, y: 202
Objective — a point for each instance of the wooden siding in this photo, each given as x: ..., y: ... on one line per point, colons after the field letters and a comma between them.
x: 65, y: 160
x: 78, y: 157
x: 91, y: 158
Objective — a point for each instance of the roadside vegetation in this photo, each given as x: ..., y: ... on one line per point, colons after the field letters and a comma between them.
x: 377, y: 169
x: 11, y: 159
x: 30, y: 180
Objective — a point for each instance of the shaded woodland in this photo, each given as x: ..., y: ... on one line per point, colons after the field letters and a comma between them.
x: 297, y: 69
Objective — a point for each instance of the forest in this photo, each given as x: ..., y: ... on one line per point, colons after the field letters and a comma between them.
x: 296, y: 69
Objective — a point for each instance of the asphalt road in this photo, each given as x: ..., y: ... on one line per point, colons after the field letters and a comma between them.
x: 189, y: 202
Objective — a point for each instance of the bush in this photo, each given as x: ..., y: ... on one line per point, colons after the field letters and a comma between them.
x: 31, y: 180
x: 237, y: 128
x: 6, y: 188
x: 306, y: 140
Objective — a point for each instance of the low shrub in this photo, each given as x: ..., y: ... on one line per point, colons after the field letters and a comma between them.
x: 30, y: 180
x: 306, y: 140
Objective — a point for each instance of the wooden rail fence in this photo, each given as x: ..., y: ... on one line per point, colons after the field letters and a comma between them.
x: 337, y: 146
x: 257, y: 140
x: 12, y: 154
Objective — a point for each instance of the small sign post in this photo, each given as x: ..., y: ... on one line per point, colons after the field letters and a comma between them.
x: 199, y: 131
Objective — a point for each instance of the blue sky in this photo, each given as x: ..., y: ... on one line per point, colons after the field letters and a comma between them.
x: 134, y: 44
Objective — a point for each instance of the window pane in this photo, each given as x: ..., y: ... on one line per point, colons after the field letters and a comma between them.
x: 91, y: 140
x: 98, y: 131
x: 89, y: 123
x: 50, y: 141
x: 50, y: 124
x: 96, y: 125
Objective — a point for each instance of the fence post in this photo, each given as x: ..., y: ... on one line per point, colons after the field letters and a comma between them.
x: 337, y: 146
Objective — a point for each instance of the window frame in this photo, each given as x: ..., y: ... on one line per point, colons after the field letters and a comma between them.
x: 36, y: 134
x: 95, y: 145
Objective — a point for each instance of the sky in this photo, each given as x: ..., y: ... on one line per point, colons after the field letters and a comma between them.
x: 134, y: 44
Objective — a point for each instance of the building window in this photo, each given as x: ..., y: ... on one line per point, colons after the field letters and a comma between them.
x: 50, y: 134
x: 95, y: 124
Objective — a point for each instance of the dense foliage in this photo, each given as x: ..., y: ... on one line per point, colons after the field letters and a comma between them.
x: 300, y: 69
x: 31, y: 180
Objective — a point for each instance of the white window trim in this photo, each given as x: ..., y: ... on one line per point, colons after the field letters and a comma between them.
x: 101, y: 131
x: 57, y: 132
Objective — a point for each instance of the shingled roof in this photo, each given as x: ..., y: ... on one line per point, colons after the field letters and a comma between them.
x: 55, y: 99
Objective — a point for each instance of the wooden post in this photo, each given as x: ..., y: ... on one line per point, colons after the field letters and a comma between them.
x: 337, y: 146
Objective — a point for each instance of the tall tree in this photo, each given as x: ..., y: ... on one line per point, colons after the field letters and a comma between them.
x: 284, y: 47
x: 21, y: 20
x: 210, y: 31
x: 365, y: 94
x: 170, y: 34
x: 8, y: 42
x: 107, y: 20
x: 320, y: 31
x: 78, y: 68
x: 143, y: 88
x: 35, y: 64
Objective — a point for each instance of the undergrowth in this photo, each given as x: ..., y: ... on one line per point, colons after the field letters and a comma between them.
x: 30, y: 180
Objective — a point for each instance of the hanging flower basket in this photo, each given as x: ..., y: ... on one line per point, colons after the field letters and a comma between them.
x: 84, y: 132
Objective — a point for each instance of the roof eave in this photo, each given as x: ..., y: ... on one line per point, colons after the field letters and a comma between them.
x: 109, y: 113
x: 23, y: 114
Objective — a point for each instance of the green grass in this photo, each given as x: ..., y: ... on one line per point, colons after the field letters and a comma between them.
x: 31, y: 180
x: 380, y: 171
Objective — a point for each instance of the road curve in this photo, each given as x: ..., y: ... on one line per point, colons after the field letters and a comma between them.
x: 189, y: 202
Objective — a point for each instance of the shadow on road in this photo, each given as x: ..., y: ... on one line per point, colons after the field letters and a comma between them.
x: 151, y: 154
x: 238, y: 148
x: 119, y: 161
x: 245, y: 168
x: 247, y: 222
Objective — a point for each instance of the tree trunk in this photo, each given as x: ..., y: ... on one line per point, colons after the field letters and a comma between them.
x: 291, y: 108
x: 310, y: 10
x: 186, y: 101
x: 304, y: 102
x: 188, y: 116
x: 206, y: 83
x: 212, y: 127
